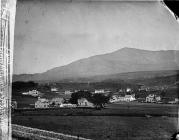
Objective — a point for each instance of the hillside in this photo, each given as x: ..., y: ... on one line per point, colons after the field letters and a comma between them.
x: 122, y: 61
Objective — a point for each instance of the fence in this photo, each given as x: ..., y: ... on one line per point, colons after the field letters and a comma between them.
x: 38, y: 134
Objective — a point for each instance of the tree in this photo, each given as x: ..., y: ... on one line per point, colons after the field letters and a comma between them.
x: 44, y: 88
x: 163, y: 93
x: 80, y: 94
x: 19, y: 86
x: 52, y: 104
x: 99, y: 100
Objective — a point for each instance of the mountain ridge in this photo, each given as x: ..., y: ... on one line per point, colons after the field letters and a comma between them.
x: 120, y: 61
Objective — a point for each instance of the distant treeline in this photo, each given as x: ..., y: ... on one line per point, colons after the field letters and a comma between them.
x: 112, y: 85
x: 20, y: 85
x: 157, y: 81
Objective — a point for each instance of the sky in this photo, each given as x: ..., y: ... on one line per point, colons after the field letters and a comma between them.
x: 54, y: 33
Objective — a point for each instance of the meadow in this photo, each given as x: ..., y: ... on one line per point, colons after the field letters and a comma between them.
x: 104, y: 127
x: 115, y: 122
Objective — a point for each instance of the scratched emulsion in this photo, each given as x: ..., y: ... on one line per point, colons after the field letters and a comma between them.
x: 7, y: 15
x: 87, y: 29
x: 176, y: 122
x: 4, y: 68
x: 50, y: 35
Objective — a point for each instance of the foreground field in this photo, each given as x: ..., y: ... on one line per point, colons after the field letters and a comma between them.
x: 122, y: 121
x: 104, y: 127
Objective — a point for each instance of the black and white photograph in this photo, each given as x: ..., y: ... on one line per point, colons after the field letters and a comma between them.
x: 94, y: 70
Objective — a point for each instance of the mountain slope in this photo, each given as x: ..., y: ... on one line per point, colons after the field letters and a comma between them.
x: 121, y: 61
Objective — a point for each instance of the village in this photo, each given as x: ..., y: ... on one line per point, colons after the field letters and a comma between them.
x: 73, y: 108
x: 62, y: 99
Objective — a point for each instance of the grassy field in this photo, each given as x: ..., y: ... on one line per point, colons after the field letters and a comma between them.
x: 104, y: 127
x: 25, y: 101
x: 112, y: 123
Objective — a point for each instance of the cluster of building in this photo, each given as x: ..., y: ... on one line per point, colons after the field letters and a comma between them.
x: 34, y: 93
x: 126, y: 98
x: 101, y: 91
x: 153, y: 98
x: 175, y: 101
x: 153, y: 88
x: 150, y: 98
x: 46, y: 103
x: 60, y: 102
x: 96, y: 91
x: 123, y: 95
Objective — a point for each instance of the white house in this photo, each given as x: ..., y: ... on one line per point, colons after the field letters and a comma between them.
x: 158, y: 98
x: 150, y: 98
x: 68, y: 92
x: 54, y: 89
x: 42, y: 103
x: 153, y: 98
x: 57, y: 101
x: 113, y: 99
x: 176, y: 100
x: 99, y: 91
x: 126, y: 98
x: 25, y: 93
x: 83, y: 102
x: 68, y: 105
x: 34, y: 93
x: 129, y: 98
x: 76, y: 90
x: 128, y: 89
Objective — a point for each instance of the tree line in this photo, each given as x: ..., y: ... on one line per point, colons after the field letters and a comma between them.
x: 99, y: 100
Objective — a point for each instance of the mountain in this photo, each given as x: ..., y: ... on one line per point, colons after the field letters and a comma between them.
x: 121, y: 61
